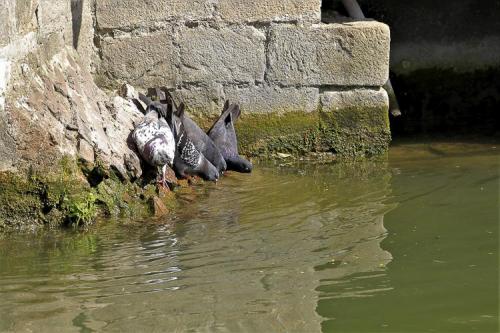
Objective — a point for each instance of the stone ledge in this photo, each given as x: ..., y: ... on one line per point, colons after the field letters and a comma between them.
x: 241, y: 11
x: 350, y: 54
x: 355, y: 122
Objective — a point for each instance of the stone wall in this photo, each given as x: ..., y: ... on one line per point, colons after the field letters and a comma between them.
x: 65, y: 142
x: 271, y: 56
x: 274, y: 57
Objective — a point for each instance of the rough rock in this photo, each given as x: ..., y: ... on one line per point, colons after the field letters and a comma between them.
x: 124, y: 117
x: 54, y: 109
x: 349, y: 54
x: 86, y: 151
x: 158, y: 207
x: 270, y: 10
x: 222, y: 55
x: 128, y: 92
x: 142, y: 61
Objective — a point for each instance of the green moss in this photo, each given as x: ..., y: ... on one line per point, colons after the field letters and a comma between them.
x: 65, y: 197
x: 19, y: 200
x: 264, y: 134
x: 346, y: 132
x: 355, y: 131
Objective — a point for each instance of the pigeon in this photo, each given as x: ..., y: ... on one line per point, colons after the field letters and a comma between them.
x: 224, y: 136
x: 199, y: 138
x: 154, y: 139
x: 189, y: 160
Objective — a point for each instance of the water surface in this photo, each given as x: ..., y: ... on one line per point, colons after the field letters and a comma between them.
x: 404, y: 244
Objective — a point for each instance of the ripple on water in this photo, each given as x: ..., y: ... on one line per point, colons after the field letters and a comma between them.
x: 297, y: 249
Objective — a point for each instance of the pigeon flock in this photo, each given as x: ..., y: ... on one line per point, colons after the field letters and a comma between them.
x: 167, y: 138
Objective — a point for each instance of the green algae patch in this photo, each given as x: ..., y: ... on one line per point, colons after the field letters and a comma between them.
x: 355, y: 131
x: 74, y: 196
x: 35, y: 200
x: 265, y: 134
x: 345, y: 132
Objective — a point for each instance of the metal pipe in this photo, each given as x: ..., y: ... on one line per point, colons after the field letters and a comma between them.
x: 354, y: 10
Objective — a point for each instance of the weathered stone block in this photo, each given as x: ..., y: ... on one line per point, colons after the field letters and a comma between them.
x: 225, y: 55
x: 115, y: 14
x: 202, y: 101
x: 268, y: 99
x: 355, y: 98
x: 350, y: 123
x: 270, y: 10
x: 276, y: 119
x: 349, y: 54
x: 355, y: 122
x: 143, y: 61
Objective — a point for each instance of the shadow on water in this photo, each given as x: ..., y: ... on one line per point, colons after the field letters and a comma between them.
x: 291, y: 248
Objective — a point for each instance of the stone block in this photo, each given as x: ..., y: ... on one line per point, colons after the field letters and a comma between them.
x: 201, y: 101
x: 270, y: 10
x: 142, y: 61
x: 355, y: 98
x: 268, y: 99
x: 355, y: 122
x: 119, y: 14
x: 222, y: 55
x: 349, y: 54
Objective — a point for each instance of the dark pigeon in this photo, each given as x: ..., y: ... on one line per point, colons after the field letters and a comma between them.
x: 189, y: 160
x: 224, y: 136
x: 199, y: 138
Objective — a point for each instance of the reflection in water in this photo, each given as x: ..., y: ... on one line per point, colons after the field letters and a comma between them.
x: 286, y: 249
x: 444, y: 239
x: 247, y: 255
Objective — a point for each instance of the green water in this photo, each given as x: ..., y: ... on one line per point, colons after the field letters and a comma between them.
x: 404, y: 244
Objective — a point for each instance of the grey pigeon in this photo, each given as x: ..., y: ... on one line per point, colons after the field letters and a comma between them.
x: 155, y: 141
x: 224, y: 136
